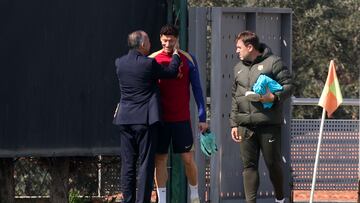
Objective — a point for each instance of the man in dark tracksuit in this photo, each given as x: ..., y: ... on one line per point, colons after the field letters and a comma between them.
x: 138, y: 113
x: 253, y: 126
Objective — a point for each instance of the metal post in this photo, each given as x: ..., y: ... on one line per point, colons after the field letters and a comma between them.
x: 197, y: 46
x: 170, y: 11
x: 317, y: 157
x: 177, y: 186
x: 99, y: 175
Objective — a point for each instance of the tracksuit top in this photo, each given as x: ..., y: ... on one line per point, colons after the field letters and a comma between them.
x: 175, y: 93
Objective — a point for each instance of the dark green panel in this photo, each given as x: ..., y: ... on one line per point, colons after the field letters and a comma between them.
x: 58, y: 84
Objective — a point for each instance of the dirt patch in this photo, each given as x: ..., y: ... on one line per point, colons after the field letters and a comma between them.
x: 326, y: 196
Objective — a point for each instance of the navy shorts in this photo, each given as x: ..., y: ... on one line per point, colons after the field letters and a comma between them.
x: 179, y: 134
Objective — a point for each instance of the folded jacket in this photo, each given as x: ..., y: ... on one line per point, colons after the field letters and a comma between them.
x: 264, y: 82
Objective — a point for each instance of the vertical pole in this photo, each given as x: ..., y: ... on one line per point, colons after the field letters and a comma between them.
x: 170, y: 11
x: 183, y: 24
x: 170, y: 4
x: 177, y: 186
x: 180, y: 190
x: 317, y: 157
x: 197, y: 46
x: 99, y: 175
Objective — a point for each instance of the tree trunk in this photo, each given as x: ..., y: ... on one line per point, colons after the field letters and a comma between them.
x: 7, y: 189
x: 59, y: 187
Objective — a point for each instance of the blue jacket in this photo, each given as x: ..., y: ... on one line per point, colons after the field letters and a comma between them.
x: 264, y: 82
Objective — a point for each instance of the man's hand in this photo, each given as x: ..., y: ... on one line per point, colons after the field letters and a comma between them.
x: 235, y: 135
x: 203, y: 126
x: 176, y: 48
x: 176, y: 52
x: 268, y: 97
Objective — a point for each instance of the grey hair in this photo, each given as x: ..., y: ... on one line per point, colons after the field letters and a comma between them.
x: 136, y: 39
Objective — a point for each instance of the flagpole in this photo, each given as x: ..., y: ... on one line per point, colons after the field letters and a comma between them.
x: 317, y: 157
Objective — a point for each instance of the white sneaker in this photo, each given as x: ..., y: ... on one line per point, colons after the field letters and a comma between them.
x: 252, y: 96
x: 195, y: 200
x: 280, y: 200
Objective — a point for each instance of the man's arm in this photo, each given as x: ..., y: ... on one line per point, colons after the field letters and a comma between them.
x: 234, y: 106
x: 168, y: 72
x: 283, y: 76
x: 194, y: 77
x: 234, y: 111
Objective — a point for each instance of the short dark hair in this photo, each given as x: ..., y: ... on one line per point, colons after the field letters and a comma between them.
x: 136, y: 38
x: 169, y: 30
x: 249, y: 37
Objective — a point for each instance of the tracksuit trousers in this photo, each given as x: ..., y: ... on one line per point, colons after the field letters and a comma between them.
x: 266, y: 138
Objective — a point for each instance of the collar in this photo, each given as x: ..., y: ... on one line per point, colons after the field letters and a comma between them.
x: 135, y: 52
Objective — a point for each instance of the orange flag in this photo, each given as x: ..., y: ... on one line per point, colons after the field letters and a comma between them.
x: 331, y: 97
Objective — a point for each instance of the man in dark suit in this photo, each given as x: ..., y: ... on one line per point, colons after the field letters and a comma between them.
x: 137, y: 115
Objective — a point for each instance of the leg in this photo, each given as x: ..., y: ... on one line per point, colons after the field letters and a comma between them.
x: 249, y: 150
x: 271, y: 148
x: 161, y: 176
x: 190, y: 167
x: 128, y: 149
x: 161, y: 173
x: 147, y: 142
x: 191, y: 174
x: 183, y: 143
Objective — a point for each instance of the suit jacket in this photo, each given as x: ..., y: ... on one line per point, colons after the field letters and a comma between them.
x: 140, y: 99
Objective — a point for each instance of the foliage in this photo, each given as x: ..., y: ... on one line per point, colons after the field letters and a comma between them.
x: 31, y: 178
x: 74, y: 197
x: 83, y: 175
x: 327, y: 30
x: 322, y: 30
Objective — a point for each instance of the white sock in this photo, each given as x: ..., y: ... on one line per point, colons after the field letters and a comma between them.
x: 161, y: 192
x: 280, y: 200
x: 193, y: 191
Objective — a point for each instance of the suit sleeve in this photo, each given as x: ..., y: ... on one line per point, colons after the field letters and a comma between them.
x: 171, y: 71
x: 197, y: 90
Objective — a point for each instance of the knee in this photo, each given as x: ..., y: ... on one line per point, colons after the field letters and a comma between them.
x: 188, y: 161
x: 160, y: 160
x: 273, y: 165
x: 249, y: 170
x: 250, y: 166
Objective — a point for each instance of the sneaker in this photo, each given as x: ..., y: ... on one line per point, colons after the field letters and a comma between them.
x: 195, y: 200
x: 280, y: 200
x: 252, y: 96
